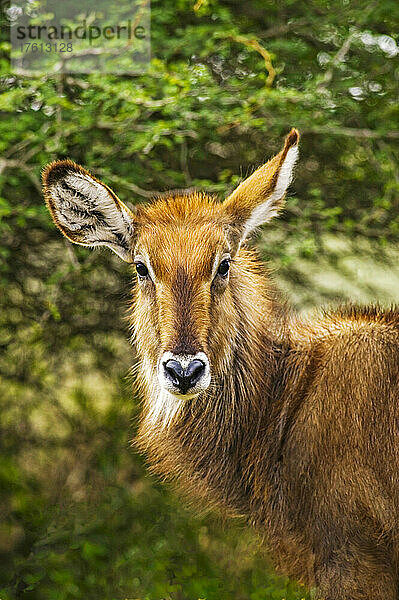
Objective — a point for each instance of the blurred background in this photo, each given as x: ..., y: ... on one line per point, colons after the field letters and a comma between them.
x: 80, y: 517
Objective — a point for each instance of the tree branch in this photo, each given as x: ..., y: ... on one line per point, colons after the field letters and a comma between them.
x: 343, y: 51
x: 255, y: 45
x: 17, y: 164
x: 129, y: 186
x: 352, y: 132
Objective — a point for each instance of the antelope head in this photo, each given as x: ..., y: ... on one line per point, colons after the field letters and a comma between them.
x: 190, y: 262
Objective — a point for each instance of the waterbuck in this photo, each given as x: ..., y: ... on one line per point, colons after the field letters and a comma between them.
x: 293, y: 423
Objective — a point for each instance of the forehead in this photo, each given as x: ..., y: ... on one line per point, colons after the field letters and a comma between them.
x: 186, y: 230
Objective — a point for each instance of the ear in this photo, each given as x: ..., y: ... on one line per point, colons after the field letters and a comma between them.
x: 86, y: 210
x: 260, y: 197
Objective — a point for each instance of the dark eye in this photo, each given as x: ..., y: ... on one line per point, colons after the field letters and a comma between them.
x: 141, y: 269
x: 224, y: 267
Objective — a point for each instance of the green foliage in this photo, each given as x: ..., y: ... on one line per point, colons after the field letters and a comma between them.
x: 80, y: 516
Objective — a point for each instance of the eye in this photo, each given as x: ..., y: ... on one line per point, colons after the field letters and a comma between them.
x: 224, y: 267
x: 142, y: 270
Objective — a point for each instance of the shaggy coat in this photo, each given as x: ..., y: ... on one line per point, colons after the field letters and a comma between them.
x: 292, y: 423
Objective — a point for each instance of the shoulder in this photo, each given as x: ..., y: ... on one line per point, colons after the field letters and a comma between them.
x: 371, y: 314
x: 351, y: 335
x: 359, y: 344
x: 368, y: 325
x: 349, y: 321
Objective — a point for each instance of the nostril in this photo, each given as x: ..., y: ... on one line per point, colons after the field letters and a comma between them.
x: 194, y: 371
x: 174, y: 371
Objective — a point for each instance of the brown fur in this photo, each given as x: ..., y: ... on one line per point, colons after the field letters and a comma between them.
x: 299, y: 428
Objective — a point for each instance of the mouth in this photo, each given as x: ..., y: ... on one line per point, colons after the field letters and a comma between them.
x: 183, y: 397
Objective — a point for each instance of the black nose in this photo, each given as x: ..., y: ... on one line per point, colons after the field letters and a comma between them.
x: 184, y: 379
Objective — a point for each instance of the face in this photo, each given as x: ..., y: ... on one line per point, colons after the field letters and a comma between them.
x: 184, y: 249
x: 183, y: 262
